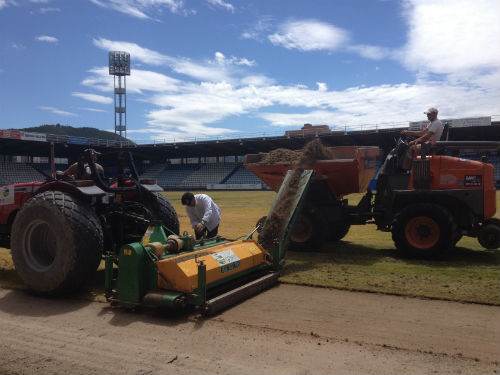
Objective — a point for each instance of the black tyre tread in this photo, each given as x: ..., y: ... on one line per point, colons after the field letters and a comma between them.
x: 168, y: 214
x: 319, y: 235
x: 82, y: 225
x: 437, y: 212
x: 492, y: 224
x: 338, y: 231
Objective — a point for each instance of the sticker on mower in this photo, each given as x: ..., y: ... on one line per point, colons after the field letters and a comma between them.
x: 6, y: 195
x: 473, y: 180
x: 227, y: 260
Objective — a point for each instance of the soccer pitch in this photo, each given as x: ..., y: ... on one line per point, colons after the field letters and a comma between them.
x: 365, y: 260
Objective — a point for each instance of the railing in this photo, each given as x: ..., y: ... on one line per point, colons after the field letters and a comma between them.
x: 232, y: 135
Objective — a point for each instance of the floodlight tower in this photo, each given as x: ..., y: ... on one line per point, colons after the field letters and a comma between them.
x: 119, y: 68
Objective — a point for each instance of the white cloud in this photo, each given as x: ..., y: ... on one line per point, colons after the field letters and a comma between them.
x: 137, y: 52
x: 197, y: 107
x: 372, y: 52
x: 40, y: 1
x: 3, y: 4
x: 453, y: 36
x: 18, y: 46
x: 309, y: 35
x: 56, y: 111
x: 224, y: 87
x: 144, y: 9
x: 222, y: 4
x: 94, y: 110
x: 93, y: 97
x: 256, y: 31
x: 322, y: 86
x: 257, y: 80
x: 47, y: 39
x: 138, y: 82
x: 221, y: 59
x: 219, y: 69
x: 45, y: 10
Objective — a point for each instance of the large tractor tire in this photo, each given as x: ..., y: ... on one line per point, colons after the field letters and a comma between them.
x: 338, y: 231
x: 56, y: 243
x: 424, y: 230
x: 309, y: 232
x: 167, y: 213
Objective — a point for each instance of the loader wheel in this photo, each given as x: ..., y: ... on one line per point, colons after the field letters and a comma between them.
x: 489, y: 235
x: 338, y: 231
x: 308, y: 233
x: 56, y: 243
x: 424, y: 230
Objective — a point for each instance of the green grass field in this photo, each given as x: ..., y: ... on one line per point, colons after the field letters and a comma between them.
x: 365, y: 260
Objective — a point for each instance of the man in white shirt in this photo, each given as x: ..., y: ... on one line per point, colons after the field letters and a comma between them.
x: 203, y: 213
x: 430, y: 134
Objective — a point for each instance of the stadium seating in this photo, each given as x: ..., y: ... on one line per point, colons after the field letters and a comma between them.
x: 12, y: 173
x: 153, y: 171
x: 242, y: 176
x: 45, y: 167
x: 173, y: 175
x: 208, y: 174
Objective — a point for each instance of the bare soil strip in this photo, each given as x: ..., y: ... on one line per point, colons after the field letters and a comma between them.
x: 287, y: 330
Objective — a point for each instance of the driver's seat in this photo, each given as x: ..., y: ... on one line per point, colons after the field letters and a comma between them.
x: 446, y: 132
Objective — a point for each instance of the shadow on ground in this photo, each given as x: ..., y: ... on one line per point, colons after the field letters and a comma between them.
x: 345, y: 252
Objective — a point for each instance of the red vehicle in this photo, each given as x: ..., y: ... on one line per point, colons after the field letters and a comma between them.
x: 60, y: 228
x: 427, y: 204
x: 12, y: 198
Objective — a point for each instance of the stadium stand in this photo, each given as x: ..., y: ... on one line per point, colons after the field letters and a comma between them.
x: 241, y: 175
x: 153, y: 159
x: 153, y: 171
x: 208, y: 174
x: 12, y: 173
x: 173, y: 175
x: 45, y: 167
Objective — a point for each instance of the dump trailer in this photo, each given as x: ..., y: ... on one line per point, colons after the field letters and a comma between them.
x: 177, y: 271
x: 427, y: 201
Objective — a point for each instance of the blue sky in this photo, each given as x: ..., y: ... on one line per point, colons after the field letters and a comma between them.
x: 225, y: 67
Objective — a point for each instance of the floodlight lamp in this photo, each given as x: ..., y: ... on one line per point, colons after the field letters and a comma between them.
x: 119, y: 63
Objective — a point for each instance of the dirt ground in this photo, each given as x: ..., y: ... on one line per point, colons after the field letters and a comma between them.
x: 286, y: 330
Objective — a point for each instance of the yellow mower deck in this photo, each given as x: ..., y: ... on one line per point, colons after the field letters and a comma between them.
x: 180, y: 272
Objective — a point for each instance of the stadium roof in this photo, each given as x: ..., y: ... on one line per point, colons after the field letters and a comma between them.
x: 231, y: 147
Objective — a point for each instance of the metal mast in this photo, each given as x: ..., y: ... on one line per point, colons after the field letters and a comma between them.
x: 119, y: 68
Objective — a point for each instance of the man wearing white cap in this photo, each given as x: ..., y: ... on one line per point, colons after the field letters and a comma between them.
x: 431, y: 133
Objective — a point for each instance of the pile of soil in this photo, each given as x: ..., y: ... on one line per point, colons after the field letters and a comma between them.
x: 313, y: 151
x: 274, y: 227
x: 281, y: 155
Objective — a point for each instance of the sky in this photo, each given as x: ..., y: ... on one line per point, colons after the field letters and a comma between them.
x: 229, y: 68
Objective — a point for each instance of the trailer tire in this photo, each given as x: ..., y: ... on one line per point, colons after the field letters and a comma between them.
x: 56, y: 243
x: 309, y: 232
x: 489, y: 235
x: 424, y: 230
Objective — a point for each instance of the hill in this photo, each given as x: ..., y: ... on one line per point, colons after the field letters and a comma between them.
x: 86, y: 132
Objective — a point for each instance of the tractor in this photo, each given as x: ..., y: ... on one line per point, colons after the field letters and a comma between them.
x: 60, y: 229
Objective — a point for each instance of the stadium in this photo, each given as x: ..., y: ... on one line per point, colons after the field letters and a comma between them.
x: 243, y: 187
x: 214, y: 164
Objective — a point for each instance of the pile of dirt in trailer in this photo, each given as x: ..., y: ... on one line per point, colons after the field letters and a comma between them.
x: 281, y: 155
x: 313, y: 151
x: 271, y: 234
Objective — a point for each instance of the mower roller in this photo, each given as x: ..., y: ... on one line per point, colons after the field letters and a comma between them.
x: 175, y: 271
